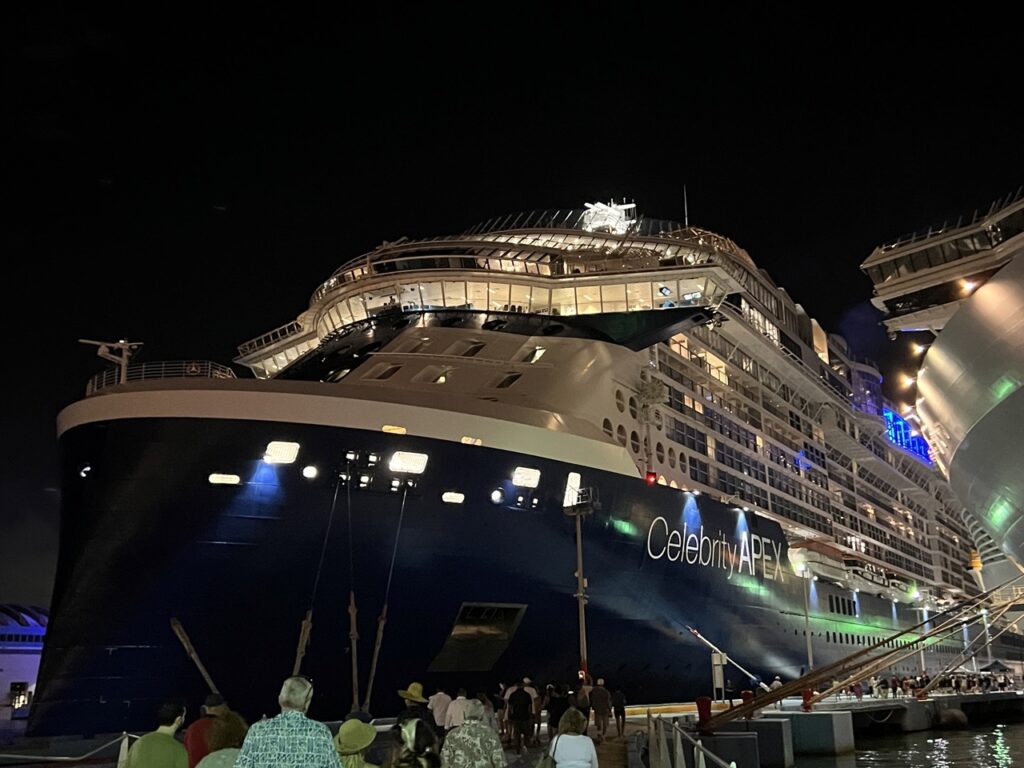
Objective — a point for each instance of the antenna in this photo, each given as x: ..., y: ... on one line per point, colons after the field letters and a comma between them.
x: 686, y: 208
x: 122, y: 346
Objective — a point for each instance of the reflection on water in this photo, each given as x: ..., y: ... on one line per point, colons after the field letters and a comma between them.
x: 994, y: 746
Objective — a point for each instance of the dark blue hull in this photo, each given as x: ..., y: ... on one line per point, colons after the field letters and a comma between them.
x: 481, y: 592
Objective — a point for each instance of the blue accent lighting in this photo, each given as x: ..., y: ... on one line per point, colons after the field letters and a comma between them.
x: 899, y: 433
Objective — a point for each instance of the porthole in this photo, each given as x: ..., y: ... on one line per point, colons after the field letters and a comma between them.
x: 633, y: 408
x: 659, y: 420
x: 620, y: 435
x: 608, y: 429
x: 659, y: 451
x: 672, y: 457
x: 634, y: 442
x: 620, y: 400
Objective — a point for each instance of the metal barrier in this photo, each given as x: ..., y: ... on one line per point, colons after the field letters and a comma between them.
x: 661, y: 756
x: 122, y: 756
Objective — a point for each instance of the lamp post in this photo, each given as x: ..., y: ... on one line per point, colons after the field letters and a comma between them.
x: 585, y: 504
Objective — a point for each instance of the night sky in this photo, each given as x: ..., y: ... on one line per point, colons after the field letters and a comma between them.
x: 188, y: 180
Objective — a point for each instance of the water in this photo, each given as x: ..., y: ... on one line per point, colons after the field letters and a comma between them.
x: 985, y: 746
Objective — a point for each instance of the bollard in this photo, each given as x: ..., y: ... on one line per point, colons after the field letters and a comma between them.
x: 748, y: 696
x: 808, y: 695
x: 703, y: 710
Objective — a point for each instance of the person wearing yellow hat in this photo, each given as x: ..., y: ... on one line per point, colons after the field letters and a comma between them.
x: 351, y: 741
x: 415, y: 703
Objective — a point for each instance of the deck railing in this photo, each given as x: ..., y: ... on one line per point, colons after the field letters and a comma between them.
x: 174, y: 369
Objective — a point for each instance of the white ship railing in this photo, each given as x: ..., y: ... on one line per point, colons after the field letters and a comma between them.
x: 962, y: 222
x: 175, y: 369
x: 270, y: 337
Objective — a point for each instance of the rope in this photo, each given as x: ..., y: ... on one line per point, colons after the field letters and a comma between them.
x: 353, y: 634
x: 323, y: 549
x: 307, y: 622
x: 384, y: 611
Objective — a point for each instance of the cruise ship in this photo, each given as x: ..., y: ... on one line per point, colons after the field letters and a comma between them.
x: 960, y: 287
x: 558, y: 440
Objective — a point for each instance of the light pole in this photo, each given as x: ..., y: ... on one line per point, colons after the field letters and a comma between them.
x: 586, y: 503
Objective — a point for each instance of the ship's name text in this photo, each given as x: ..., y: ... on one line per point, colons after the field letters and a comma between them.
x: 752, y: 554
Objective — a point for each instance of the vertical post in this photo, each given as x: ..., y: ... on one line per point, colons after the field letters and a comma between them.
x: 988, y: 638
x: 581, y: 595
x: 807, y: 620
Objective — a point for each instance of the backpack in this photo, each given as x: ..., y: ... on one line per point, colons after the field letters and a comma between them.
x: 547, y: 760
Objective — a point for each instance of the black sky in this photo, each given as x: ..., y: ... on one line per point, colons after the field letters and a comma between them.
x: 187, y: 180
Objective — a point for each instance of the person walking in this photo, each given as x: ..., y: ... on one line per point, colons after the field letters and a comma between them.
x: 225, y: 739
x: 572, y: 748
x: 160, y: 749
x: 474, y: 744
x: 352, y: 740
x: 438, y: 707
x: 418, y: 745
x: 290, y: 738
x: 456, y: 713
x: 412, y: 698
x: 619, y: 708
x: 197, y: 734
x: 601, y: 703
x: 520, y: 712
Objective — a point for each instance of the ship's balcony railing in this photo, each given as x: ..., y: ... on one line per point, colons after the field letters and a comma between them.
x: 174, y: 369
x: 270, y: 337
x: 963, y: 221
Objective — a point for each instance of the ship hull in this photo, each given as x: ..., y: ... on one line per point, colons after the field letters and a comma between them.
x: 480, y: 592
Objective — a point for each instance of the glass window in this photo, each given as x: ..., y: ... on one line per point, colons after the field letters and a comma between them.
x: 432, y: 295
x: 607, y: 426
x: 638, y: 295
x: 476, y: 295
x: 541, y: 301
x: 588, y: 300
x: 520, y: 298
x: 563, y: 301
x: 634, y: 442
x: 381, y: 299
x: 620, y: 435
x: 411, y: 296
x: 672, y: 457
x: 343, y: 312
x: 659, y: 451
x: 497, y: 297
x: 358, y: 306
x: 613, y: 298
x: 665, y: 295
x: 692, y: 291
x: 454, y: 293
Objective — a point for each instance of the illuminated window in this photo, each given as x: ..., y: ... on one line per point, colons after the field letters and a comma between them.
x: 407, y: 461
x: 221, y: 479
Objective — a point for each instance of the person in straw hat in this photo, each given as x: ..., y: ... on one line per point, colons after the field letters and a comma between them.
x: 352, y: 739
x: 415, y: 704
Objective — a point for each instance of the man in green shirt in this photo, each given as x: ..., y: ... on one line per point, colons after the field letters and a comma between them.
x: 160, y: 749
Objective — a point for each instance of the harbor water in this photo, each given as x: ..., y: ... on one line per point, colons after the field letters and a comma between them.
x: 984, y: 746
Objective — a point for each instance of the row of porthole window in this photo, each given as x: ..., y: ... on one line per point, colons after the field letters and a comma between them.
x: 21, y: 638
x: 634, y: 408
x: 619, y: 434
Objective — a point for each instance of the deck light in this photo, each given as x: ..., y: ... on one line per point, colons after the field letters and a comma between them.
x: 310, y: 472
x: 524, y: 477
x: 218, y: 478
x: 281, y: 452
x: 408, y: 461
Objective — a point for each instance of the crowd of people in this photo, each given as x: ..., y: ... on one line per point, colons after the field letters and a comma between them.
x: 435, y: 732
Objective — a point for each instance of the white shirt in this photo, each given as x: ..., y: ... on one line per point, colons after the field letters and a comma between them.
x: 438, y: 705
x: 571, y: 751
x: 456, y: 715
